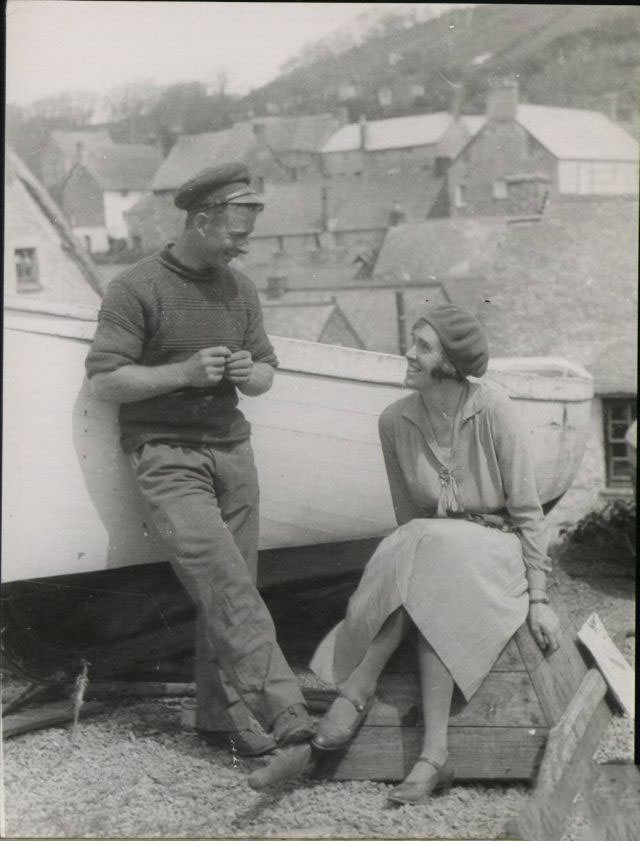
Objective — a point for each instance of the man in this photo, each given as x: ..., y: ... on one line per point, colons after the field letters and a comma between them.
x: 178, y: 335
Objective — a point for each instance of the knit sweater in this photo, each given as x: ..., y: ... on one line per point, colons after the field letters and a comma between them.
x: 160, y: 312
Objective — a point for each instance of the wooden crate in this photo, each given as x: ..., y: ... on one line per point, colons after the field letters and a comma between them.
x: 499, y: 735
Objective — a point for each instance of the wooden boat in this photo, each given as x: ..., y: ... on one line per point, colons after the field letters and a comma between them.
x: 70, y: 503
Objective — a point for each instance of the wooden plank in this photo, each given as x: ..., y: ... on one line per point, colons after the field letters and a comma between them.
x: 477, y: 753
x: 566, y: 735
x: 139, y: 689
x: 557, y: 677
x: 51, y: 715
x: 567, y: 766
x: 503, y: 700
x: 615, y: 669
x: 612, y: 806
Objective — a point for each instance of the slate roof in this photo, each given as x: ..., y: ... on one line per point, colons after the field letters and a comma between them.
x: 302, y: 275
x: 397, y: 132
x: 577, y: 134
x: 193, y: 152
x: 439, y: 248
x: 372, y: 311
x: 67, y: 141
x: 297, y: 321
x: 567, y: 286
x: 126, y: 166
x: 116, y: 166
x: 354, y: 203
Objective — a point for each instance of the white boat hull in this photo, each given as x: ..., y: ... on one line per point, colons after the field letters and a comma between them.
x: 70, y: 503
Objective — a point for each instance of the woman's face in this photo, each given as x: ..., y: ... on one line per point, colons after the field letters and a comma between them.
x: 423, y: 357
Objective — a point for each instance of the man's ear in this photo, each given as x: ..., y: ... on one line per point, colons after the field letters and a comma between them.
x: 200, y: 223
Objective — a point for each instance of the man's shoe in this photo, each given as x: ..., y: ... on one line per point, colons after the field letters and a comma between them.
x: 293, y: 725
x: 288, y: 763
x: 241, y: 742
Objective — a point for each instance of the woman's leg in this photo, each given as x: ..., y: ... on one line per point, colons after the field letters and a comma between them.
x: 341, y: 722
x: 362, y: 682
x: 436, y: 685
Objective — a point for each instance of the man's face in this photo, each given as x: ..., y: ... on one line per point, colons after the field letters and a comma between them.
x: 225, y: 232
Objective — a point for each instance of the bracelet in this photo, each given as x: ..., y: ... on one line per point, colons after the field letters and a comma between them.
x: 545, y: 600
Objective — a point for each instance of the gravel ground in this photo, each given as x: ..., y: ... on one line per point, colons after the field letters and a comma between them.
x: 133, y: 771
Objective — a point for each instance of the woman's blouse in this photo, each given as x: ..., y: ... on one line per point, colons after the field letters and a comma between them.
x: 488, y: 470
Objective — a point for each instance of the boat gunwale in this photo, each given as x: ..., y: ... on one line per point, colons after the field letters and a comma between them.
x: 72, y: 322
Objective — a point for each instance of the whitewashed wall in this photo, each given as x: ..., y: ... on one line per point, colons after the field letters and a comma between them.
x: 598, y: 177
x: 27, y: 227
x: 115, y: 206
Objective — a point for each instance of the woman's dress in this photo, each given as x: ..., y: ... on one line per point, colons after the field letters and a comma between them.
x: 463, y: 582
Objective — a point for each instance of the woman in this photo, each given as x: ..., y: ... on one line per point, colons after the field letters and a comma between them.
x: 468, y: 563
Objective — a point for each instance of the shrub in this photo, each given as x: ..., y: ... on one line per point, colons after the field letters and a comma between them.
x: 613, y: 527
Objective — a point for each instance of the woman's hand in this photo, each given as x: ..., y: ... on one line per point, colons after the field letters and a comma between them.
x: 545, y: 626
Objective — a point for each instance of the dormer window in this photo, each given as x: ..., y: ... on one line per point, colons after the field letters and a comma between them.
x: 27, y: 273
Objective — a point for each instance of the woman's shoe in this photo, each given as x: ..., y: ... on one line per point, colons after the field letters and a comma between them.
x: 333, y: 733
x: 418, y: 793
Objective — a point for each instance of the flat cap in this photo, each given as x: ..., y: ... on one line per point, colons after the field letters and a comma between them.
x: 224, y: 184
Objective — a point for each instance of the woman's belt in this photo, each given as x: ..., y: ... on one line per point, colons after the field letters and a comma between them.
x: 492, y: 521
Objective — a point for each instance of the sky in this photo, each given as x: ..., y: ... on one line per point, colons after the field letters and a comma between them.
x: 56, y: 45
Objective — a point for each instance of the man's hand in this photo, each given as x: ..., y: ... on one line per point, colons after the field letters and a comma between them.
x: 206, y: 367
x: 239, y: 367
x: 545, y: 626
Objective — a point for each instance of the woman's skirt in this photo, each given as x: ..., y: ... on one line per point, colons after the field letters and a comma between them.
x: 463, y: 585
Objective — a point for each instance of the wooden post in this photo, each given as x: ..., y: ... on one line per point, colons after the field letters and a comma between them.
x: 567, y: 766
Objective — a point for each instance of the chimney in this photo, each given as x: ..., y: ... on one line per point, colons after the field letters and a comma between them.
x: 502, y: 100
x: 397, y: 214
x: 260, y: 133
x: 79, y: 152
x: 363, y: 132
x: 276, y: 287
x: 324, y: 212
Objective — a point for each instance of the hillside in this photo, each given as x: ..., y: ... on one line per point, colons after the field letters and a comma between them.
x: 562, y: 55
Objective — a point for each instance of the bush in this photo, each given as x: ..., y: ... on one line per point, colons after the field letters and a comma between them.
x: 613, y: 527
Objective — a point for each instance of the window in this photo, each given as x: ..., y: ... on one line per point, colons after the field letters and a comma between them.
x: 460, y: 195
x: 500, y: 189
x: 618, y: 415
x: 27, y: 274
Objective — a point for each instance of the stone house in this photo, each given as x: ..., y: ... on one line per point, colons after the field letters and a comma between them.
x: 378, y: 146
x: 351, y: 214
x: 522, y: 153
x: 300, y: 219
x: 96, y: 193
x: 65, y: 148
x: 275, y: 149
x: 43, y: 263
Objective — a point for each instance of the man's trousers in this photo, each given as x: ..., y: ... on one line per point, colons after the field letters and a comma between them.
x: 204, y: 503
